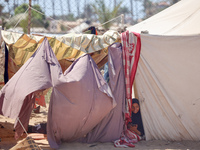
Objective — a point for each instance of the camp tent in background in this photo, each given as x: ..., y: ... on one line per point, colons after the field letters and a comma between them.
x: 181, y: 18
x: 167, y: 81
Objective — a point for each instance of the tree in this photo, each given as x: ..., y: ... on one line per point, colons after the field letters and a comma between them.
x: 104, y: 13
x: 53, y: 5
x: 123, y: 10
x: 1, y: 10
x: 69, y: 7
x: 37, y: 19
x: 131, y: 4
x: 24, y: 25
x: 61, y: 7
x: 149, y: 8
x: 22, y: 8
x: 70, y: 17
x: 174, y: 1
x: 88, y: 12
x: 78, y: 6
x: 1, y: 14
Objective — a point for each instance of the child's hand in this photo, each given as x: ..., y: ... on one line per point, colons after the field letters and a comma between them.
x: 134, y: 127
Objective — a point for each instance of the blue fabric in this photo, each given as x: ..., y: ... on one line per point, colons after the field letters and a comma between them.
x: 106, y: 73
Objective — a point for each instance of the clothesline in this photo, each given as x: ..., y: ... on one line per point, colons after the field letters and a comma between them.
x: 21, y: 18
x: 120, y: 16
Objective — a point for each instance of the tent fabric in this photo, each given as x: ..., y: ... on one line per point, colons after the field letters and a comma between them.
x: 67, y: 48
x: 181, y: 18
x: 111, y: 127
x: 79, y: 102
x: 88, y: 43
x: 167, y: 85
x: 42, y: 71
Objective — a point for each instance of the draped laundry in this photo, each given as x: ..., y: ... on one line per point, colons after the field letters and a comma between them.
x: 111, y: 127
x: 67, y: 48
x: 131, y: 45
x: 74, y: 109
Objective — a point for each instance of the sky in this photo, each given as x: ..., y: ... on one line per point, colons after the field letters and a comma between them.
x: 48, y: 9
x: 60, y: 5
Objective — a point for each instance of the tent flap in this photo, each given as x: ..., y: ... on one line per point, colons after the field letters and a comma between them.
x: 167, y: 84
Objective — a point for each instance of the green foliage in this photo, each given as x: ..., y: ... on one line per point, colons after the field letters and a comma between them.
x: 36, y: 14
x: 48, y: 95
x: 46, y: 24
x: 70, y: 17
x: 63, y: 28
x: 24, y: 25
x: 104, y: 13
x: 21, y: 9
x: 37, y: 19
x: 123, y: 10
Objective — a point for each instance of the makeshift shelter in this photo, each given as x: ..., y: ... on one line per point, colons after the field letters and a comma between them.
x: 81, y: 100
x: 167, y: 80
x: 67, y: 47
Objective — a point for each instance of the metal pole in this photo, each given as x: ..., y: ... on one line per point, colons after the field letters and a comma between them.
x: 29, y: 17
x: 122, y: 22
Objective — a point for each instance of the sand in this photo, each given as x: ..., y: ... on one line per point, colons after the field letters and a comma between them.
x: 8, y: 141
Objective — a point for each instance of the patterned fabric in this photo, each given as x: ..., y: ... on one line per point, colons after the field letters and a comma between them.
x: 131, y: 45
x: 87, y: 43
x: 28, y: 143
x: 40, y: 101
x: 127, y: 139
x: 67, y: 48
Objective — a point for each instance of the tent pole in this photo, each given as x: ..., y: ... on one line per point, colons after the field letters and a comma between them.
x: 122, y: 22
x: 29, y: 17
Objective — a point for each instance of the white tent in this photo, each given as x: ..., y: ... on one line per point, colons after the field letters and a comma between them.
x: 181, y: 18
x: 167, y: 80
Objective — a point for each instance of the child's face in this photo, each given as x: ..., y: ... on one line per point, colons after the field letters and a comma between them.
x: 135, y: 108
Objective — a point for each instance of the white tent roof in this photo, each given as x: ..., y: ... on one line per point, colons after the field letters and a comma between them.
x: 182, y: 18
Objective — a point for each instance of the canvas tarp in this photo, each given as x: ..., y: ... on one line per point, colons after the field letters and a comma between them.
x: 82, y: 108
x: 181, y: 18
x: 67, y: 48
x: 111, y: 127
x: 167, y: 84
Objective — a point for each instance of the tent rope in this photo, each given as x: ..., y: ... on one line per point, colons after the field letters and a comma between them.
x: 22, y: 126
x: 52, y: 18
x: 120, y: 16
x: 21, y: 18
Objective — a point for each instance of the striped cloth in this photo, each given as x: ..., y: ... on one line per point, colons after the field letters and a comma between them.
x: 131, y: 45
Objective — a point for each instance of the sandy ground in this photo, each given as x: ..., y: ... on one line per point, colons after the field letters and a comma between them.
x: 8, y: 141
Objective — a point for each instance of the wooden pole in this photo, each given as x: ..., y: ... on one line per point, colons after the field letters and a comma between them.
x: 29, y: 17
x: 122, y: 22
